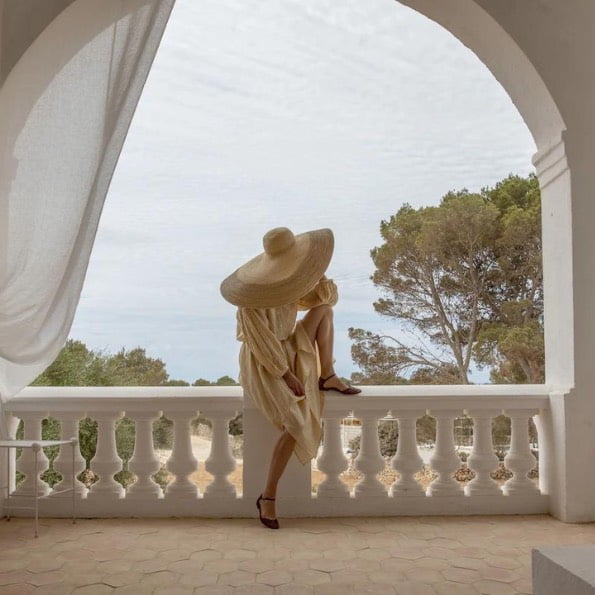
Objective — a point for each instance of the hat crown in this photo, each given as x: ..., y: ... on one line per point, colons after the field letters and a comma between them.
x: 278, y: 240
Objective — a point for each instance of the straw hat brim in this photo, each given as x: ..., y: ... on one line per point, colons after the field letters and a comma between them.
x: 271, y: 280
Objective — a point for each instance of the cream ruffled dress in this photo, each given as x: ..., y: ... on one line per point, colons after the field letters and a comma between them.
x: 272, y: 342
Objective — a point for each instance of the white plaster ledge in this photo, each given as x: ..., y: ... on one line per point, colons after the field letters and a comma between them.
x: 561, y: 570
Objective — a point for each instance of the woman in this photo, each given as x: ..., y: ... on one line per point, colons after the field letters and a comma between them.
x: 284, y: 366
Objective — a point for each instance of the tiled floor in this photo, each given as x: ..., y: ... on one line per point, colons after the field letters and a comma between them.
x: 403, y: 555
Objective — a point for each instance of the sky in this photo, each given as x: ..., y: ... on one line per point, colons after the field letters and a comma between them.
x: 296, y: 113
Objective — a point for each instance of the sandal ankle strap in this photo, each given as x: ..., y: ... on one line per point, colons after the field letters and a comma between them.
x: 323, y: 380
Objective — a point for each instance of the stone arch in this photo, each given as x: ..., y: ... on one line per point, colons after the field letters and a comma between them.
x: 477, y: 30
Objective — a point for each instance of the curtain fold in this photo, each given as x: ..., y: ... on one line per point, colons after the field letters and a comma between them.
x: 65, y: 109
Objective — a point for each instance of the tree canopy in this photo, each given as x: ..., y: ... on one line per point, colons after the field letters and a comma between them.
x: 464, y: 280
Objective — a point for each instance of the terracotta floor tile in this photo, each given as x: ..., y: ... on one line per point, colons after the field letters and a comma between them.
x: 98, y: 589
x: 326, y: 565
x: 46, y: 578
x: 500, y: 575
x: 494, y: 588
x: 411, y: 588
x: 311, y: 577
x: 334, y: 589
x: 173, y: 591
x: 253, y: 589
x: 198, y: 578
x: 292, y: 589
x: 120, y: 579
x: 256, y: 565
x: 448, y: 588
x: 423, y: 575
x: 503, y: 562
x: 161, y: 578
x: 236, y: 578
x: 221, y: 566
x: 431, y: 555
x: 385, y: 577
x: 274, y: 578
x: 461, y: 575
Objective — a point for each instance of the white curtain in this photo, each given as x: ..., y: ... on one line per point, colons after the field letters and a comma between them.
x: 64, y: 112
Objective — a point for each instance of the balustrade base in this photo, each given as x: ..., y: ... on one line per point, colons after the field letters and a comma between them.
x: 290, y: 507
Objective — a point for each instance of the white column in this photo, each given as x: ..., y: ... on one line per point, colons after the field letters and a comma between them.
x: 482, y: 460
x: 445, y: 460
x: 106, y: 461
x: 144, y: 463
x: 69, y: 428
x: 369, y: 461
x: 407, y: 460
x: 332, y: 461
x: 221, y: 461
x: 26, y: 462
x: 520, y: 459
x: 181, y: 462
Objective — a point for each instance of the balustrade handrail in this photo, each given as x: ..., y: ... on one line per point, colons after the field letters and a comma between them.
x: 208, y: 398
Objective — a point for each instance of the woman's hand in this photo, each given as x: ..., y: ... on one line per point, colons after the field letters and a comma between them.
x: 293, y: 382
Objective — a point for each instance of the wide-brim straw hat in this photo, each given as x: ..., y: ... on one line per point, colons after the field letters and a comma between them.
x: 290, y: 266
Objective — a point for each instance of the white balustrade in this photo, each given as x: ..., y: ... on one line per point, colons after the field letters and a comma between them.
x: 407, y: 461
x: 144, y: 463
x: 181, y: 462
x: 69, y: 423
x: 221, y: 461
x: 482, y: 460
x: 32, y: 483
x: 370, y: 496
x: 445, y: 460
x: 369, y: 461
x: 520, y: 459
x: 106, y: 462
x: 332, y: 461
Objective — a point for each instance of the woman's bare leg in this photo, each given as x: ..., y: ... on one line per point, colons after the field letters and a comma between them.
x: 318, y: 324
x: 281, y: 455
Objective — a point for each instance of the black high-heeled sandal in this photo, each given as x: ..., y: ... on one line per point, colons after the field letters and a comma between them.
x: 269, y: 523
x: 350, y: 390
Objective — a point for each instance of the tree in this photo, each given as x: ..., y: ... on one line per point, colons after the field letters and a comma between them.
x: 222, y: 381
x: 134, y: 368
x: 76, y: 365
x: 464, y: 280
x: 512, y: 343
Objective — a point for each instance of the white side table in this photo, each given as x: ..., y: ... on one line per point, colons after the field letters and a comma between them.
x: 36, y: 446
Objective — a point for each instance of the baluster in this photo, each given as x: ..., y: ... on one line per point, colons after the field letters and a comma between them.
x: 332, y: 461
x: 69, y: 423
x: 106, y: 461
x: 445, y: 460
x: 221, y: 461
x: 520, y: 460
x: 482, y: 460
x: 26, y: 462
x: 369, y: 461
x: 181, y: 462
x: 407, y: 460
x: 144, y: 463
